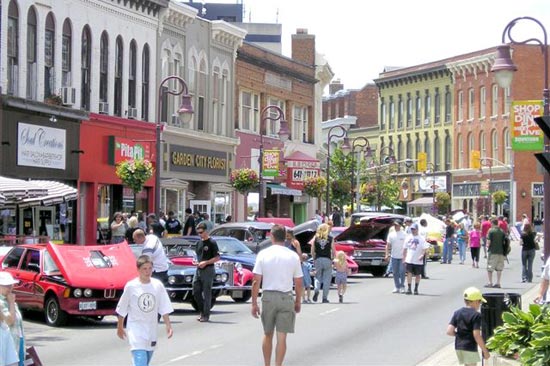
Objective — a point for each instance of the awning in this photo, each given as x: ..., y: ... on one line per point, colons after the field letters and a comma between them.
x: 14, y: 190
x: 2, y: 200
x: 421, y: 202
x: 285, y: 191
x: 56, y: 192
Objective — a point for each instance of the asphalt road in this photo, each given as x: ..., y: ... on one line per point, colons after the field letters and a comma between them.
x: 372, y: 327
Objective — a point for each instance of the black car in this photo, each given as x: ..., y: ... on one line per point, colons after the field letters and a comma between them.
x: 250, y: 233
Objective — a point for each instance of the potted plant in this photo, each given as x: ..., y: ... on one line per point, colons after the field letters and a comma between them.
x: 244, y: 180
x: 499, y: 197
x: 315, y: 186
x: 134, y: 173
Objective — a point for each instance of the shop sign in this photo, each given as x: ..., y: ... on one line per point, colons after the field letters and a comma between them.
x: 40, y: 146
x: 122, y: 149
x: 526, y: 134
x: 466, y: 190
x: 428, y: 182
x: 295, y: 177
x: 270, y: 163
x: 190, y: 160
x: 484, y: 188
x: 537, y: 190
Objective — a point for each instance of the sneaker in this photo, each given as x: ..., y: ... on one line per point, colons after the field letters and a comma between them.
x: 402, y: 290
x: 409, y: 292
x: 395, y: 290
x: 416, y: 292
x: 315, y: 296
x: 340, y: 298
x: 325, y: 301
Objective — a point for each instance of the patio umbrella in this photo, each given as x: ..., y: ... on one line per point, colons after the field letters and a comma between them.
x: 15, y: 190
x: 2, y: 200
x: 55, y: 192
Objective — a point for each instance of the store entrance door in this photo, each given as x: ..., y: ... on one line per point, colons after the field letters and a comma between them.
x: 202, y: 206
x: 45, y: 222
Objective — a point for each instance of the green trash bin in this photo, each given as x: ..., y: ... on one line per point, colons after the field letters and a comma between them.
x: 491, y: 311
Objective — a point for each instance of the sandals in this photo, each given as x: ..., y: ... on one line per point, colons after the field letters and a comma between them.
x: 496, y: 286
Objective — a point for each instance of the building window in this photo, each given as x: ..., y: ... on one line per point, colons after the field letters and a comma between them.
x: 392, y: 115
x: 482, y: 102
x: 224, y: 104
x: 409, y: 110
x: 13, y: 49
x: 460, y: 145
x: 31, y: 54
x: 471, y: 103
x: 448, y: 104
x: 145, y: 83
x: 382, y: 114
x: 119, y: 62
x: 104, y: 68
x: 132, y: 75
x: 460, y: 105
x: 437, y: 106
x: 201, y: 93
x: 300, y: 124
x: 427, y: 108
x: 216, y: 79
x: 448, y: 152
x: 49, y: 57
x: 85, y: 68
x: 250, y: 111
x: 507, y: 146
x: 482, y: 144
x: 494, y: 100
x: 428, y: 147
x: 400, y: 112
x: 417, y: 147
x: 437, y: 153
x: 418, y: 115
x: 272, y: 127
x: 409, y: 149
x: 66, y: 53
x: 471, y: 147
x: 494, y: 143
x: 506, y: 101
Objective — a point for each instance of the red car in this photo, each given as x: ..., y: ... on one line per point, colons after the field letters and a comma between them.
x: 70, y: 280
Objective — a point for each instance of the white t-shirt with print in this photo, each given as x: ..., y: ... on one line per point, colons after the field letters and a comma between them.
x: 416, y: 245
x: 142, y: 302
x: 278, y: 266
x: 396, y: 239
x: 154, y: 249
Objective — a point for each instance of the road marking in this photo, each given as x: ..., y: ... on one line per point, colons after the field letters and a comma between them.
x: 194, y: 353
x: 329, y: 311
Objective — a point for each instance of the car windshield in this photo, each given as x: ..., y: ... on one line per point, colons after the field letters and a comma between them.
x: 49, y: 265
x: 231, y: 246
x: 261, y: 235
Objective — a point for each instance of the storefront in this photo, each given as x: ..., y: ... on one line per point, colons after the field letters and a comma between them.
x: 475, y: 198
x: 40, y: 142
x: 299, y: 167
x: 106, y: 141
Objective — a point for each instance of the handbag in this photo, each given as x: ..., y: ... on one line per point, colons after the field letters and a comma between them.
x: 31, y: 358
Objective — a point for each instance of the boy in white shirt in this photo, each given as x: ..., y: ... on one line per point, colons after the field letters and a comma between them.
x: 394, y: 249
x: 414, y: 251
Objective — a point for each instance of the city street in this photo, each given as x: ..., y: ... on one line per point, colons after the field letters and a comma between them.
x: 372, y: 327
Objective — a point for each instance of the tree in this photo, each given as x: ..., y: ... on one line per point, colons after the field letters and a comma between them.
x: 379, y: 187
x: 340, y: 178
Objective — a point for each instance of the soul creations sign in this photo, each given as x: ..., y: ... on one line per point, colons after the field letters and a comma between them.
x: 40, y: 146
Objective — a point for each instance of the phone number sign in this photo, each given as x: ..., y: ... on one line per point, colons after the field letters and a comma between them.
x: 297, y: 176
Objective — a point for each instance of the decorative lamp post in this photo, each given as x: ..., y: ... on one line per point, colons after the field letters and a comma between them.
x: 363, y: 144
x: 491, y: 162
x: 340, y: 132
x: 487, y: 163
x: 185, y: 111
x: 283, y: 135
x: 504, y: 69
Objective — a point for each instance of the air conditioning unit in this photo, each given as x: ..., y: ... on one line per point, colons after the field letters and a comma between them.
x: 103, y: 108
x: 68, y: 95
x: 175, y: 121
x: 132, y: 113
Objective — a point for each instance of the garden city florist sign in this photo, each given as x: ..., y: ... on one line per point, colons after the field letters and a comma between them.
x: 41, y: 146
x: 526, y: 134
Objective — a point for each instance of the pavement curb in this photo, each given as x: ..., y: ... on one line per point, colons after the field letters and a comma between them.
x: 446, y: 356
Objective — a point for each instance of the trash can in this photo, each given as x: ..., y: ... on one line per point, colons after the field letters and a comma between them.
x: 491, y: 311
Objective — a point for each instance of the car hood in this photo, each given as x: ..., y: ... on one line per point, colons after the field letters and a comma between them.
x: 375, y: 228
x: 94, y: 266
x: 285, y: 221
x: 305, y: 231
x: 248, y: 259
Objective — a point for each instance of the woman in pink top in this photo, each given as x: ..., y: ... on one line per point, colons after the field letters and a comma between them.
x: 475, y: 243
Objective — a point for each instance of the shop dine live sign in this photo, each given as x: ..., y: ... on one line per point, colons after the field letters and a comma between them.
x: 41, y: 146
x: 526, y: 135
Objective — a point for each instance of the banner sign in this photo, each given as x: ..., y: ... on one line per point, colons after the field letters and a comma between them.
x: 295, y: 177
x: 526, y: 134
x: 121, y: 149
x: 40, y: 146
x: 270, y: 163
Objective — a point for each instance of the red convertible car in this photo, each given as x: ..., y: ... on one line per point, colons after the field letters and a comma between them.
x: 70, y: 280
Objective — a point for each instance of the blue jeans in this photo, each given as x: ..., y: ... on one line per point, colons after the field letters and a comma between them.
x: 323, y: 269
x: 398, y: 269
x: 527, y: 258
x: 447, y: 250
x: 141, y: 357
x: 462, y: 250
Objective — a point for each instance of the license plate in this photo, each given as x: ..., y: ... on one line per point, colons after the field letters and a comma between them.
x: 237, y: 294
x: 87, y: 305
x: 376, y: 262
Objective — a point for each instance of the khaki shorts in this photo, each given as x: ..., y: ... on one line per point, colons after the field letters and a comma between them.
x: 495, y: 262
x: 467, y: 357
x: 278, y: 312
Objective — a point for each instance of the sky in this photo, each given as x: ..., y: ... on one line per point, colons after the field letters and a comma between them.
x: 360, y: 37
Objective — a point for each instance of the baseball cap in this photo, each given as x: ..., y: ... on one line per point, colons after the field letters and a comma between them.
x: 414, y: 226
x: 473, y: 294
x: 6, y: 279
x: 396, y: 222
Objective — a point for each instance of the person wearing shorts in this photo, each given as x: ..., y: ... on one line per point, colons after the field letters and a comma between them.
x: 277, y: 270
x: 414, y: 251
x: 495, y: 248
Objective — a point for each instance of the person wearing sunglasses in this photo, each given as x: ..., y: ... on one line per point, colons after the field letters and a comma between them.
x: 207, y: 254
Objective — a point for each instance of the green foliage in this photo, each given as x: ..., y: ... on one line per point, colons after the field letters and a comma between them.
x: 442, y: 200
x: 499, y: 197
x: 379, y: 188
x: 244, y: 180
x: 340, y: 175
x: 524, y: 333
x: 315, y: 186
x: 134, y: 173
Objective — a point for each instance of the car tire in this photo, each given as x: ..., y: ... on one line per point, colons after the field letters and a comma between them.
x: 378, y: 271
x: 55, y: 317
x: 196, y: 306
x: 246, y: 295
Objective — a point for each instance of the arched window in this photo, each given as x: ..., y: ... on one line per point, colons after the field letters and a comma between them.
x: 418, y: 147
x: 13, y: 48
x: 437, y: 153
x: 145, y: 83
x: 482, y: 144
x: 471, y: 147
x: 132, y: 75
x: 225, y: 107
x: 86, y: 70
x: 66, y: 53
x: 399, y: 153
x: 494, y: 144
x: 448, y: 152
x: 216, y: 80
x: 201, y: 94
x: 49, y: 56
x: 460, y: 146
x: 448, y: 104
x: 428, y: 148
x: 119, y: 62
x: 104, y: 68
x: 409, y: 148
x: 507, y: 146
x: 482, y: 102
x: 31, y: 54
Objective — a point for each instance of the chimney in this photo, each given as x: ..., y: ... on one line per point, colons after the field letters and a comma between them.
x: 303, y: 47
x: 335, y: 86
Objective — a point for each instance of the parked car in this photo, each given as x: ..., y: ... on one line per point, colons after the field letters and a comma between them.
x: 235, y: 257
x: 179, y: 283
x: 70, y: 280
x: 358, y: 216
x: 250, y: 233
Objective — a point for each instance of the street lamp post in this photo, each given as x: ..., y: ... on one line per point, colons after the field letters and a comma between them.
x: 488, y: 163
x: 185, y: 111
x: 340, y: 132
x: 504, y: 68
x: 363, y: 144
x: 283, y: 135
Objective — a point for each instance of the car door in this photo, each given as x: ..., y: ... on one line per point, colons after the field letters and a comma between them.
x: 29, y: 291
x: 11, y: 264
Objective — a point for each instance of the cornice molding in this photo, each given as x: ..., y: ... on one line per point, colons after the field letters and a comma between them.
x: 473, y: 66
x: 145, y: 20
x: 227, y: 34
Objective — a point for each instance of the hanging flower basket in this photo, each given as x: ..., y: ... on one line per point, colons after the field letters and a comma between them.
x: 499, y: 197
x: 134, y: 173
x: 244, y: 180
x: 315, y: 186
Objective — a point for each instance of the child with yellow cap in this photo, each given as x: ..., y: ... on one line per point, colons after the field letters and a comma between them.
x: 465, y: 326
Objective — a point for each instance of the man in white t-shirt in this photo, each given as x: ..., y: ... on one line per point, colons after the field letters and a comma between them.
x: 143, y: 299
x: 153, y: 248
x: 414, y: 251
x: 394, y: 249
x: 542, y: 297
x: 277, y: 269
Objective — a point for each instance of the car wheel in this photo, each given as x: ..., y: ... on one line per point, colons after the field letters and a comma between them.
x: 378, y: 271
x: 55, y: 317
x: 196, y: 306
x: 246, y: 294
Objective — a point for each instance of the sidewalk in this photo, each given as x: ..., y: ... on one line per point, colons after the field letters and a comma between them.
x: 446, y: 356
